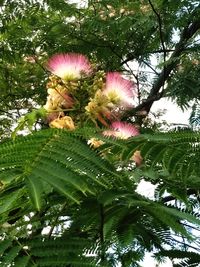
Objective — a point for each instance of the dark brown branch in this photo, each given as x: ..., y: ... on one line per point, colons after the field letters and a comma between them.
x: 187, y: 33
x: 142, y: 107
x: 148, y: 65
x: 155, y: 94
x: 161, y: 39
x: 131, y: 56
x: 160, y: 29
x: 137, y: 83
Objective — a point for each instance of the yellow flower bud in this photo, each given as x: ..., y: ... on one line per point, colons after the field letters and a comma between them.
x: 65, y: 122
x: 95, y: 143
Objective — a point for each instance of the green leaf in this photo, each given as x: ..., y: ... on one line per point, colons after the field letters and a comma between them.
x: 7, y: 201
x: 35, y: 187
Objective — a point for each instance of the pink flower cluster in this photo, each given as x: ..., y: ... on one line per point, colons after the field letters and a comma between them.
x: 117, y: 93
x: 69, y: 66
x: 119, y: 90
x: 122, y: 130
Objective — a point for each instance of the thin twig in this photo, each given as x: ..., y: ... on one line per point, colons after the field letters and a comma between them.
x: 148, y: 65
x: 137, y: 82
x: 185, y: 244
x: 26, y: 252
x: 161, y: 39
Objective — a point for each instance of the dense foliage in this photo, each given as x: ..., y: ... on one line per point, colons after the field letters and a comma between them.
x: 65, y: 203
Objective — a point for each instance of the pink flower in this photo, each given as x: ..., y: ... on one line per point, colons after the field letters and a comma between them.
x: 69, y: 66
x: 122, y: 130
x: 119, y: 90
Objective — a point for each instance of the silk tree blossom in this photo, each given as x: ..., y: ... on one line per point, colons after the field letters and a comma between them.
x: 58, y: 98
x: 69, y: 66
x: 95, y: 143
x: 122, y: 130
x: 65, y: 122
x: 118, y: 90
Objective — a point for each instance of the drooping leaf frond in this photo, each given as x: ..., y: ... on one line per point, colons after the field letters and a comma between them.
x: 78, y: 192
x: 46, y: 252
x: 55, y: 158
x: 172, y: 157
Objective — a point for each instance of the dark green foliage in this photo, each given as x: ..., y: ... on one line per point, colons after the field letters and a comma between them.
x: 46, y: 252
x: 90, y: 211
x: 185, y: 84
x: 110, y: 33
x: 63, y: 203
x: 55, y: 158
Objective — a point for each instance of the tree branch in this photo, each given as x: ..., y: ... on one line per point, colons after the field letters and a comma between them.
x: 155, y: 94
x: 148, y: 65
x: 131, y: 56
x: 160, y: 29
x: 161, y: 40
x: 187, y: 33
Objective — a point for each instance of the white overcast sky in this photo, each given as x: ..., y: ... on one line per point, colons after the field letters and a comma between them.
x: 173, y: 113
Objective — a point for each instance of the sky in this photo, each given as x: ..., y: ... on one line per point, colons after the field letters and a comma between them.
x: 173, y: 114
x: 150, y: 262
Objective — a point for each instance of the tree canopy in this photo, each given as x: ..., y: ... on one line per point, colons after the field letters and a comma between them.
x: 68, y: 196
